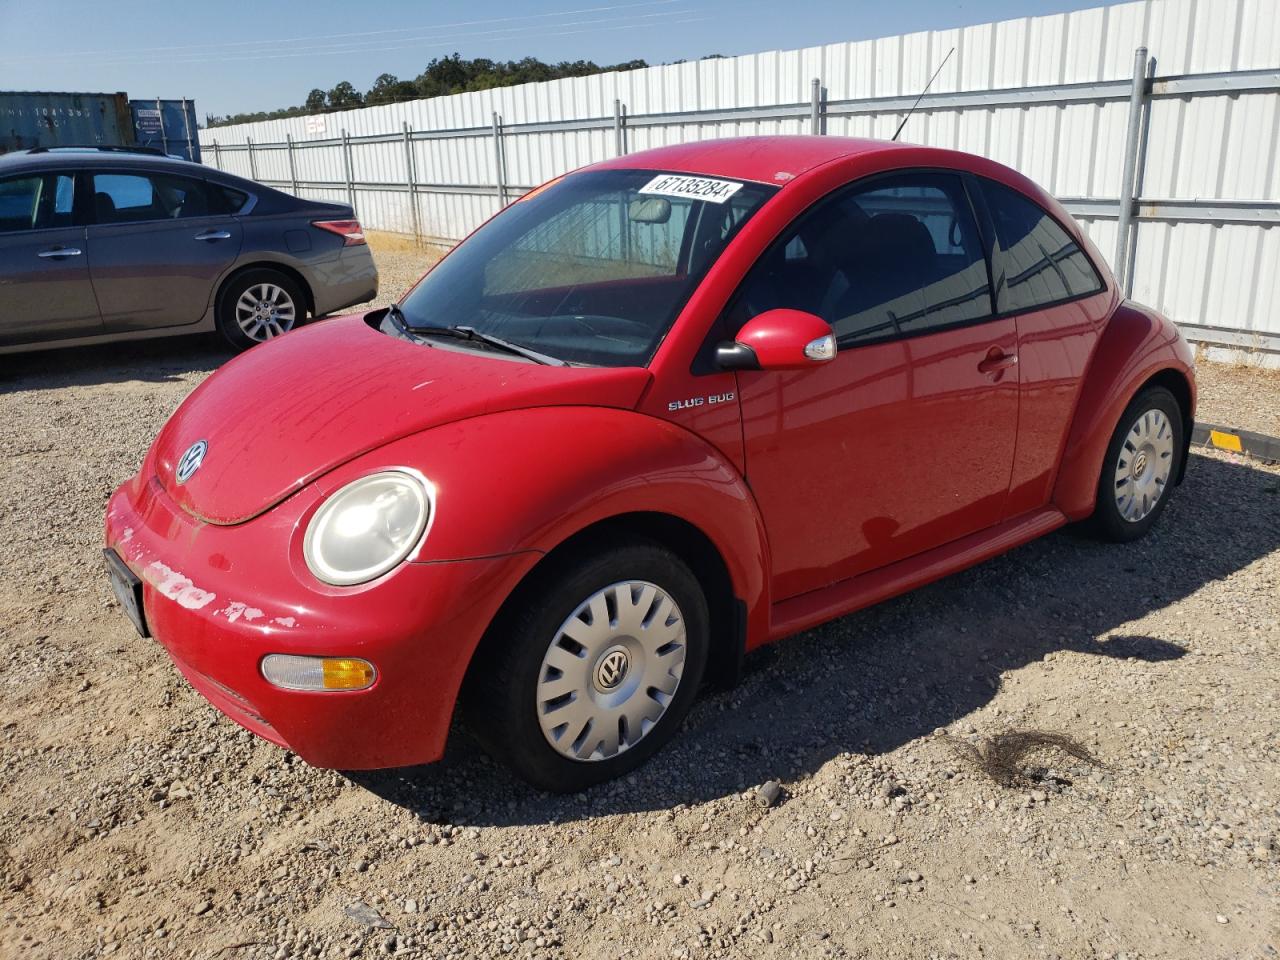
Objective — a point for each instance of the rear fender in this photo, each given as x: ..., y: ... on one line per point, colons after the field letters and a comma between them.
x: 1137, y: 345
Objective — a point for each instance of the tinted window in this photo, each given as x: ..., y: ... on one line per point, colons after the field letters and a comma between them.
x: 896, y: 257
x: 227, y: 199
x: 35, y: 202
x: 1042, y: 264
x: 133, y: 197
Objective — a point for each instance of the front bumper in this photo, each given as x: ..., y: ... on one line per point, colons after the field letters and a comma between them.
x: 219, y: 598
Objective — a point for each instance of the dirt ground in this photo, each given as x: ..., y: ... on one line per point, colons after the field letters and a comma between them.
x: 136, y: 821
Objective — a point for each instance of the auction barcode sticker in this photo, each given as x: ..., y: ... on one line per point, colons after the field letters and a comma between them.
x: 695, y: 188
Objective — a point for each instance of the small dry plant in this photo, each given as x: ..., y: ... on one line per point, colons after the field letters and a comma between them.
x: 1001, y: 757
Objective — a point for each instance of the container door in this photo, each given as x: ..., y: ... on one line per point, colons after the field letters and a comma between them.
x: 157, y: 248
x: 167, y: 125
x: 45, y: 292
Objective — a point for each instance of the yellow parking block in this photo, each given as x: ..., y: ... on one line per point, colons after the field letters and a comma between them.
x: 1224, y: 441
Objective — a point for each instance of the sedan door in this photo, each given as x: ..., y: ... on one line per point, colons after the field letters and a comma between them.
x: 45, y: 292
x: 157, y: 247
x: 905, y: 441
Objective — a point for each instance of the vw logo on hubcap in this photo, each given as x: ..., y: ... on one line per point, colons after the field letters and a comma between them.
x: 191, y: 461
x: 1139, y: 464
x: 611, y: 669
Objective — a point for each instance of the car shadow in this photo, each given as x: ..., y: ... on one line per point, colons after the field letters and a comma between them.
x: 161, y: 360
x: 875, y: 680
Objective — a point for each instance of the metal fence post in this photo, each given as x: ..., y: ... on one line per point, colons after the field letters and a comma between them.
x: 293, y: 169
x: 815, y: 107
x: 346, y: 162
x: 412, y: 179
x: 619, y: 147
x: 253, y: 166
x: 217, y: 155
x: 499, y: 161
x: 1137, y: 101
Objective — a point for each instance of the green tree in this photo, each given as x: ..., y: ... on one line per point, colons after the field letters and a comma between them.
x: 389, y: 88
x: 442, y: 76
x: 344, y: 96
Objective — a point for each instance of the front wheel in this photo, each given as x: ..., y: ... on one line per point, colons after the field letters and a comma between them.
x: 259, y: 305
x: 1140, y: 468
x: 595, y: 669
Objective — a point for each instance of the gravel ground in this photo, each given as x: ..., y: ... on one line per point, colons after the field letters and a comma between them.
x: 1240, y: 397
x: 136, y: 821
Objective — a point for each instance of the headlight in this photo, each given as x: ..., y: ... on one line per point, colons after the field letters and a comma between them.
x: 367, y: 527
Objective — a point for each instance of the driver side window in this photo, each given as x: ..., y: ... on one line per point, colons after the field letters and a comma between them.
x: 894, y: 257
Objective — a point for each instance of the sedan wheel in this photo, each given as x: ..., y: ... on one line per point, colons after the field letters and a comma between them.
x: 258, y: 305
x: 611, y: 671
x: 265, y: 310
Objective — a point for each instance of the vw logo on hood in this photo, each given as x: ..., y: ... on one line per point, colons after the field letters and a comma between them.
x: 191, y: 460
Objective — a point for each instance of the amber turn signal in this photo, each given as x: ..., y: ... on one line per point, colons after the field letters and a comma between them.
x: 291, y: 672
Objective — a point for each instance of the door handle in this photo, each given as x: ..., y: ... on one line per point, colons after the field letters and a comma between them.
x: 997, y: 359
x: 214, y: 235
x: 56, y: 253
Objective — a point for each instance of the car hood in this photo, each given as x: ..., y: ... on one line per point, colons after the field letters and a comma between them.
x: 286, y: 412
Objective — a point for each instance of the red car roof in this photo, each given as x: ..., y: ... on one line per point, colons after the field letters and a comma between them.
x: 770, y: 159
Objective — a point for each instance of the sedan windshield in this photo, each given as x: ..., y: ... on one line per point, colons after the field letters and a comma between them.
x: 593, y: 269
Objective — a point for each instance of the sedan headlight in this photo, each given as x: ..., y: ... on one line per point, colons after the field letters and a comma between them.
x: 367, y: 527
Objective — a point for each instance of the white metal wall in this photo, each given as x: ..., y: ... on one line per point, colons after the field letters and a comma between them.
x: 1204, y: 147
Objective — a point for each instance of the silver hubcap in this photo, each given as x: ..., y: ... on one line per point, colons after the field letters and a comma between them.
x: 611, y: 671
x: 1144, y: 465
x: 265, y: 311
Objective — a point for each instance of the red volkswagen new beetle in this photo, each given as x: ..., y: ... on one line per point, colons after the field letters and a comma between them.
x: 656, y: 413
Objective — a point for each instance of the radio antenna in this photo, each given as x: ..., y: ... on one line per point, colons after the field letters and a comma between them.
x: 923, y: 92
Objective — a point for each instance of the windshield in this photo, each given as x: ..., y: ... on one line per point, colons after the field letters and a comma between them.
x: 593, y: 269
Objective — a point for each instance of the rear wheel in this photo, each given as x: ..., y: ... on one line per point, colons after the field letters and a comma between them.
x: 259, y: 305
x: 595, y: 670
x: 1140, y: 468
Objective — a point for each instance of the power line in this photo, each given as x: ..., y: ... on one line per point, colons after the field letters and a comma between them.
x: 150, y: 52
x: 452, y: 42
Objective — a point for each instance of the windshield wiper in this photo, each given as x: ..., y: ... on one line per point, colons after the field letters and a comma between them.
x: 400, y: 323
x: 510, y: 347
x: 459, y: 332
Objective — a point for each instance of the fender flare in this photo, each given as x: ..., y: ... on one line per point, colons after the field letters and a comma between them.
x: 1137, y: 345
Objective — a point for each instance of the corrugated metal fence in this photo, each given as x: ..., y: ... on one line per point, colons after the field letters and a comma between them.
x: 1188, y: 131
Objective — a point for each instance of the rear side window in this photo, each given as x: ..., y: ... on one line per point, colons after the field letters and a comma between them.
x: 227, y: 199
x: 1042, y: 264
x: 35, y: 202
x: 137, y: 197
x: 897, y: 257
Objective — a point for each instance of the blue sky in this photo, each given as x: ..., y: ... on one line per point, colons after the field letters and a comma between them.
x: 239, y: 55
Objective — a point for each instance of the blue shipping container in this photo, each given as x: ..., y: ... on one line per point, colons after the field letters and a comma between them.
x: 169, y: 125
x: 41, y: 119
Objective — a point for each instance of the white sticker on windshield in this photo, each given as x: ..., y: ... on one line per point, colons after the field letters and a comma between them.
x: 695, y: 188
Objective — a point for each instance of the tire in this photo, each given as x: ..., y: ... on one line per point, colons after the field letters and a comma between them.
x: 1141, y: 467
x: 259, y: 305
x: 519, y: 702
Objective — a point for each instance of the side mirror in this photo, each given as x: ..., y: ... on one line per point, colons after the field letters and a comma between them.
x: 779, y: 339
